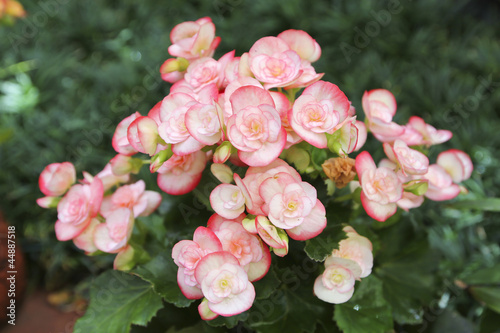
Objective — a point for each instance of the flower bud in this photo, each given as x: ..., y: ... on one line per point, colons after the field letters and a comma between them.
x: 57, y: 178
x: 205, y: 312
x: 174, y: 65
x: 222, y: 172
x: 417, y: 187
x: 223, y: 152
x: 142, y: 135
x: 48, y: 202
x: 123, y: 164
x: 124, y: 261
x: 281, y: 252
x: 160, y: 158
x: 249, y: 224
x: 272, y: 236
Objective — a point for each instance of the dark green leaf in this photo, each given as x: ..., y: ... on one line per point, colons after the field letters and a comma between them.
x: 162, y: 273
x: 489, y: 322
x: 118, y: 300
x: 366, y: 311
x: 486, y: 204
x: 406, y: 266
x: 321, y: 246
x: 267, y: 285
x: 490, y: 275
x: 228, y: 322
x: 452, y: 321
x: 302, y: 312
x: 488, y: 295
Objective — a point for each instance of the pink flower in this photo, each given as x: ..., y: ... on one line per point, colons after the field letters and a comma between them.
x: 204, y: 123
x: 410, y: 200
x: 227, y: 201
x: 456, y: 163
x: 308, y: 50
x: 187, y: 254
x: 120, y: 140
x: 441, y: 186
x: 321, y: 107
x: 380, y: 106
x: 85, y: 240
x: 173, y: 124
x: 417, y: 132
x: 77, y: 208
x: 293, y: 206
x: 142, y: 135
x: 255, y: 127
x: 251, y: 253
x: 302, y: 43
x: 231, y: 72
x: 336, y: 284
x: 231, y: 88
x: 409, y: 160
x: 206, y: 95
x: 362, y: 134
x: 205, y: 71
x: 112, y: 236
x: 357, y: 248
x: 283, y: 106
x: 253, y: 179
x: 192, y: 40
x: 181, y: 174
x: 109, y: 179
x: 134, y: 197
x: 224, y: 284
x: 381, y: 188
x: 57, y: 178
x: 273, y: 62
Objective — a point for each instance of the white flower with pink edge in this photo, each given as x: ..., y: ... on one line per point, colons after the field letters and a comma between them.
x: 381, y: 188
x: 224, y: 284
x: 336, y: 284
x: 255, y: 127
x: 321, y: 107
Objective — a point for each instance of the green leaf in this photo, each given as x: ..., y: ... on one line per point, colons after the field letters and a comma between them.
x: 162, y: 273
x: 228, y: 322
x: 267, y: 285
x: 366, y: 311
x: 298, y: 311
x: 318, y: 157
x: 488, y: 295
x: 484, y: 285
x: 486, y: 204
x: 452, y: 321
x: 406, y: 266
x: 118, y: 300
x: 490, y: 275
x: 489, y: 322
x: 321, y: 246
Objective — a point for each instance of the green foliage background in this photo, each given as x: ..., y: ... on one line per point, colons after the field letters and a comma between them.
x: 91, y: 63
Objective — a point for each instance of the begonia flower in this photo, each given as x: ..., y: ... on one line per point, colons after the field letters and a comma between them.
x: 57, y: 178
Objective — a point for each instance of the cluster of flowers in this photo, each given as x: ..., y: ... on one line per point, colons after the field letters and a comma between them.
x: 352, y: 261
x: 245, y: 110
x: 405, y: 177
x: 90, y: 215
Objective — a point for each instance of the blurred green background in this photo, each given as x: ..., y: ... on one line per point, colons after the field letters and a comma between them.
x: 71, y: 70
